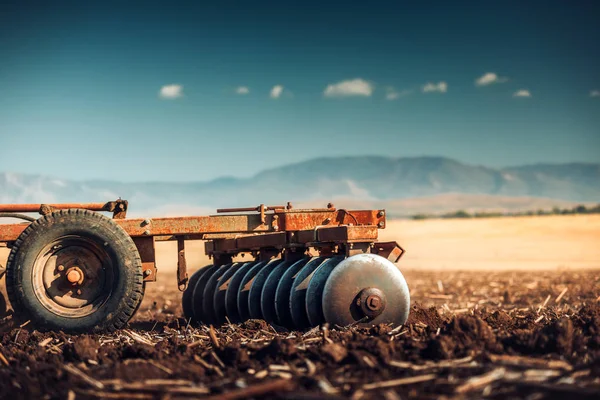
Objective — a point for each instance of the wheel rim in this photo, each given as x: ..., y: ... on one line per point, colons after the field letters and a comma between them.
x: 73, y: 276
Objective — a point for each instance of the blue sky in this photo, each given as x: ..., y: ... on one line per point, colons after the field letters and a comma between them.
x: 252, y: 85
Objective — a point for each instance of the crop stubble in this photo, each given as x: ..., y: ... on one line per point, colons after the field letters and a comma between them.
x: 471, y: 334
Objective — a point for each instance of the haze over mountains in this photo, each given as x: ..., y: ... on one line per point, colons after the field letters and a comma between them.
x: 402, y: 185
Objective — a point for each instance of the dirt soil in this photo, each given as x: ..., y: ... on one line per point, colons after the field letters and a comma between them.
x: 470, y: 335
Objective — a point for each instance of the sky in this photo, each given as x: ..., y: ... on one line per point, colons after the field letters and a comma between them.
x: 191, y: 91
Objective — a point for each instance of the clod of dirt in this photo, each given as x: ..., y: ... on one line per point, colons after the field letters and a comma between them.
x: 137, y: 350
x: 428, y: 316
x: 255, y: 324
x: 21, y: 336
x: 463, y: 335
x: 82, y: 349
x: 131, y: 370
x: 439, y: 348
x: 555, y: 338
x: 233, y: 355
x: 334, y: 351
x: 589, y: 319
x: 277, y: 348
x: 380, y: 329
x: 499, y: 320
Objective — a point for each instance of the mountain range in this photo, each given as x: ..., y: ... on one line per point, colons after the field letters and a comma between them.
x: 407, y: 185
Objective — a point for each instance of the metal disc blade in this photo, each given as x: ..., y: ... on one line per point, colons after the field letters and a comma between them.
x: 197, y: 297
x: 341, y: 296
x: 221, y: 290
x: 257, y: 287
x: 209, y: 293
x: 244, y: 290
x: 314, y: 293
x: 232, y: 289
x: 298, y: 293
x: 282, y: 295
x: 187, y: 299
x: 267, y: 296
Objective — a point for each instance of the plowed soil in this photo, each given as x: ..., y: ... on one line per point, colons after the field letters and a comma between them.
x: 470, y: 335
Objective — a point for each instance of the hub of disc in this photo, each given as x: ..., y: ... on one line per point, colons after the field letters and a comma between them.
x: 371, y: 302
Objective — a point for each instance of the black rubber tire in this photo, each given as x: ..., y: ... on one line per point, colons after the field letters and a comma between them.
x: 128, y: 285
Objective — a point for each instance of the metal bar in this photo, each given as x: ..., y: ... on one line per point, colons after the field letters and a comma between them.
x: 36, y: 207
x: 249, y: 209
x: 242, y: 223
x: 196, y: 225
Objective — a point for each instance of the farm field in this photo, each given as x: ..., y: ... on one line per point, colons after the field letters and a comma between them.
x: 508, y: 243
x: 503, y: 307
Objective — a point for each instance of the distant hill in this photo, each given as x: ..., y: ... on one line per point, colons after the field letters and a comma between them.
x: 421, y: 184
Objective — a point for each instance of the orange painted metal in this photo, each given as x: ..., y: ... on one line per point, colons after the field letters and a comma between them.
x: 147, y: 251
x: 34, y: 208
x: 117, y: 207
x: 195, y: 227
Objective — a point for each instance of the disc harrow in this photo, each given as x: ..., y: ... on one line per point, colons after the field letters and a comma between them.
x: 77, y: 270
x: 300, y: 279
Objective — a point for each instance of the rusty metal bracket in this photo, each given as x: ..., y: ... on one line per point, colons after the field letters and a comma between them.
x: 145, y: 246
x: 182, y: 276
x: 46, y: 209
x: 117, y: 207
x: 390, y: 250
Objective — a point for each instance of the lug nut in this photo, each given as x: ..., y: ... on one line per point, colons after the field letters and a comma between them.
x: 79, y: 292
x: 61, y: 268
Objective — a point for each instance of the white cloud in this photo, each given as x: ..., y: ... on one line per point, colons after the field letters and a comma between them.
x: 595, y: 93
x: 242, y: 90
x: 276, y: 91
x: 522, y: 93
x: 489, y: 78
x: 393, y: 94
x: 171, y: 91
x: 352, y: 87
x: 430, y: 87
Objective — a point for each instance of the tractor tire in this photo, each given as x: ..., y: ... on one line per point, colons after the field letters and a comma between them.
x: 76, y: 271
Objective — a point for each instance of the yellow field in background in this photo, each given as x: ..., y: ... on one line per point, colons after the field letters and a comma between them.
x: 524, y: 243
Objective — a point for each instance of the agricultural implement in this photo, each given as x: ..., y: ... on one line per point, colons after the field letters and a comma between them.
x: 75, y: 269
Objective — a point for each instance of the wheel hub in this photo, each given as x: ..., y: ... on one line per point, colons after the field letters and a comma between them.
x: 371, y: 301
x: 75, y: 276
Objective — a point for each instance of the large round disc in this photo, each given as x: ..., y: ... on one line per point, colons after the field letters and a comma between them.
x: 244, y: 290
x: 257, y: 287
x: 298, y: 293
x: 209, y: 295
x: 314, y: 293
x: 187, y: 298
x: 267, y: 297
x: 231, y: 292
x: 342, y: 293
x: 221, y: 291
x: 198, y: 293
x: 282, y: 295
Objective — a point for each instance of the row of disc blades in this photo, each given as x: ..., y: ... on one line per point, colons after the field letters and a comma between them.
x: 294, y: 294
